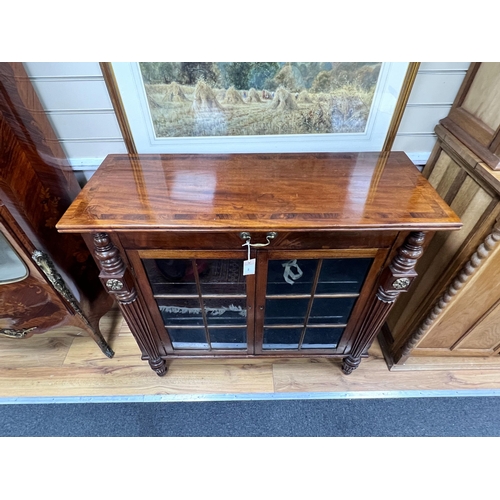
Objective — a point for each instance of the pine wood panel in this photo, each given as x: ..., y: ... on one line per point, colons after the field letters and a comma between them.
x: 473, y: 118
x: 485, y: 334
x: 443, y: 164
x: 479, y: 294
x: 482, y: 98
x: 446, y: 173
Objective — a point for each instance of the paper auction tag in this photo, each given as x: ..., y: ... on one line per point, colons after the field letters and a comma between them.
x: 248, y: 267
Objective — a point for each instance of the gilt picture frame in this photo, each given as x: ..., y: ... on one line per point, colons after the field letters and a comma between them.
x: 299, y: 108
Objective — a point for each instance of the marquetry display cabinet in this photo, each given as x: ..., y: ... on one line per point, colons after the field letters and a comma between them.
x: 257, y: 254
x: 47, y: 279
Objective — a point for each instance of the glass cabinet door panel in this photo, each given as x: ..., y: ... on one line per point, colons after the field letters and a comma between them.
x: 228, y: 338
x: 322, y: 338
x: 188, y: 338
x: 226, y: 311
x: 171, y: 276
x: 12, y: 268
x: 221, y: 277
x: 202, y: 302
x: 331, y: 311
x: 342, y: 275
x: 285, y: 311
x: 294, y: 276
x: 281, y: 338
x: 180, y: 311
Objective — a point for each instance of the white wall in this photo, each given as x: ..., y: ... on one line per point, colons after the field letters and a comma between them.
x: 77, y: 103
x: 431, y: 98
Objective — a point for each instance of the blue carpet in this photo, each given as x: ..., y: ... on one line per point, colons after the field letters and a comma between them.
x: 432, y: 417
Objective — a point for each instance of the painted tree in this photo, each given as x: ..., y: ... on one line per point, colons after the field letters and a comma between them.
x: 159, y: 72
x: 261, y: 73
x: 237, y: 74
x: 191, y: 72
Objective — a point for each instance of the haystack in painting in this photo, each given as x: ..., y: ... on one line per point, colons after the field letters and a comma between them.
x: 233, y: 97
x: 283, y: 100
x: 174, y: 93
x: 304, y: 97
x: 204, y: 98
x: 253, y: 96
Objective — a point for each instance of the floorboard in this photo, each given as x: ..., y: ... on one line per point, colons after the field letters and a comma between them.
x: 66, y: 363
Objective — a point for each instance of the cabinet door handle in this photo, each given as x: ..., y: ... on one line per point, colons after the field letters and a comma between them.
x: 247, y: 237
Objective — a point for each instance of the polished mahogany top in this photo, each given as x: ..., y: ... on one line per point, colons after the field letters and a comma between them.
x: 293, y: 191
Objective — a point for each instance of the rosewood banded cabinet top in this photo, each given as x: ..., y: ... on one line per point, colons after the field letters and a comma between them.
x: 293, y: 192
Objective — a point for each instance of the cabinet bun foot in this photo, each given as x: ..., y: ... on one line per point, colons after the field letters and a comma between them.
x: 349, y: 364
x: 159, y: 366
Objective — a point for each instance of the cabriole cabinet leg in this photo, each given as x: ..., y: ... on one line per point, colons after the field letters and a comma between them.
x: 395, y: 279
x: 118, y: 281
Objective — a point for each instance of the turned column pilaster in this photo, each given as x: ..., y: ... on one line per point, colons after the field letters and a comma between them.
x: 118, y: 281
x: 394, y: 280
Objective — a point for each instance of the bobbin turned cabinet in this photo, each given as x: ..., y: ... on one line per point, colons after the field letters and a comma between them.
x: 247, y: 255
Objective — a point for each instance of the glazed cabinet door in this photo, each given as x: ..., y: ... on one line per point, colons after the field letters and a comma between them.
x: 200, y: 301
x: 309, y: 302
x: 298, y: 302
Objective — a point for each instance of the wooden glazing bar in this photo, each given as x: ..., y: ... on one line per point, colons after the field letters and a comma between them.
x: 311, y: 300
x: 202, y: 304
x: 319, y: 325
x: 192, y: 296
x: 319, y: 295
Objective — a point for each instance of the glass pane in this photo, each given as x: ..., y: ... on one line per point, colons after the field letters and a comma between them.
x: 331, y: 311
x: 188, y: 338
x: 285, y: 311
x: 322, y: 338
x: 226, y: 311
x: 281, y: 338
x: 228, y: 338
x: 180, y: 311
x: 221, y: 277
x: 342, y: 275
x: 171, y: 276
x: 12, y: 268
x: 294, y: 276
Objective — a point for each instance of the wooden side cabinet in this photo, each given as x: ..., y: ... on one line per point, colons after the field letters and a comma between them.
x: 257, y: 255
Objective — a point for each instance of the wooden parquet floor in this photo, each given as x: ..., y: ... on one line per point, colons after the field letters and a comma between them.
x: 65, y: 363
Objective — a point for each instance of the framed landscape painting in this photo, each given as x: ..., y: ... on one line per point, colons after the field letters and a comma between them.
x: 245, y: 107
